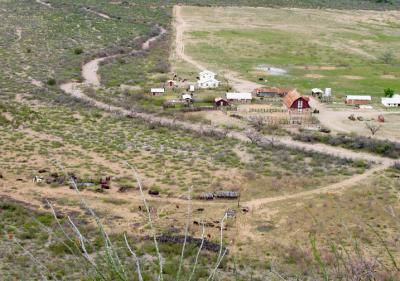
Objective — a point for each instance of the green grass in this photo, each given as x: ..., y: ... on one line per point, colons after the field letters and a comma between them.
x: 284, y: 44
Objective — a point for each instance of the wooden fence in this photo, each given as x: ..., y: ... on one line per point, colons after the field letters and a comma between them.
x: 268, y: 110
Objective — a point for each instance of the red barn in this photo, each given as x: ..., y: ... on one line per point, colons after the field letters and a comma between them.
x: 221, y: 102
x: 294, y: 101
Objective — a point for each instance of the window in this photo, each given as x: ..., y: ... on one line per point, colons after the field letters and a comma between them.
x: 300, y: 105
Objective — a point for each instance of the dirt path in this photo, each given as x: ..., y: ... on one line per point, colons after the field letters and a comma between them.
x: 180, y: 26
x: 48, y: 5
x: 18, y: 32
x: 102, y: 15
x: 333, y: 188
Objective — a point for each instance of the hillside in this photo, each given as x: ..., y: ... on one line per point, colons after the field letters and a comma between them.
x: 101, y: 180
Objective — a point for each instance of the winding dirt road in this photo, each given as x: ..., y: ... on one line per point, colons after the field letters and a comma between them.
x: 91, y: 78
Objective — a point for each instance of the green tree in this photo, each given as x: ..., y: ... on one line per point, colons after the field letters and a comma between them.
x: 389, y: 92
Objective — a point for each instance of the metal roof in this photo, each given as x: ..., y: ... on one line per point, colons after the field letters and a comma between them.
x: 239, y: 96
x: 356, y: 97
x: 157, y: 90
x: 393, y: 100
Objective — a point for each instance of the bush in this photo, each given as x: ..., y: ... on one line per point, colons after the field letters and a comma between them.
x: 382, y: 147
x: 78, y: 51
x: 51, y: 82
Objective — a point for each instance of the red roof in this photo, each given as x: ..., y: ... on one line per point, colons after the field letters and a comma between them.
x: 293, y: 96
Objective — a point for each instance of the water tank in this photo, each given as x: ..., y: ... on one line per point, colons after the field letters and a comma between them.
x: 328, y: 92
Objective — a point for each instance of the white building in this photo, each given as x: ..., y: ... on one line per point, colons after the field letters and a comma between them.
x: 393, y: 101
x: 239, y: 97
x: 187, y: 97
x: 357, y: 100
x: 207, y: 80
x: 157, y: 91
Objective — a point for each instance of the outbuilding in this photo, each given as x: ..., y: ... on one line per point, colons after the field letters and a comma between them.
x: 239, y: 97
x: 157, y: 91
x: 170, y: 83
x: 219, y: 102
x: 357, y: 99
x: 316, y: 92
x: 294, y: 101
x: 188, y: 98
x: 391, y: 102
x: 271, y: 92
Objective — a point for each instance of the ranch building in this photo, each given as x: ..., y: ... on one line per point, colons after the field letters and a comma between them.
x: 170, y: 83
x: 273, y: 92
x: 207, y: 80
x: 295, y: 102
x: 220, y: 102
x: 239, y: 97
x: 188, y: 98
x: 390, y: 102
x: 358, y: 100
x: 157, y: 91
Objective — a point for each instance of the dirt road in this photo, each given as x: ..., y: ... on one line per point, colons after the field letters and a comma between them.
x: 89, y: 73
x: 240, y: 85
x: 333, y: 188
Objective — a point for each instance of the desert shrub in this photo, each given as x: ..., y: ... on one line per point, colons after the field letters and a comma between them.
x: 78, y: 51
x: 161, y: 67
x: 381, y: 147
x: 51, y: 82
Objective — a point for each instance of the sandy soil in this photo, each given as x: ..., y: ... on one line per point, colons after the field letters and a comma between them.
x: 352, y: 77
x: 388, y: 76
x: 18, y: 32
x: 337, y: 120
x: 35, y: 82
x: 311, y: 75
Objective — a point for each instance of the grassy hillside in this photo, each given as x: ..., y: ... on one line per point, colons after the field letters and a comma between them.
x: 315, y: 4
x: 351, y: 52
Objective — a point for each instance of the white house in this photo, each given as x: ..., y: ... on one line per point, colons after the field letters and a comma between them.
x: 207, y: 80
x: 157, y: 91
x: 393, y: 101
x: 239, y: 97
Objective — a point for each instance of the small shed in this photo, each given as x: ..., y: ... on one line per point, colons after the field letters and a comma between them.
x: 239, y: 97
x: 220, y: 102
x: 271, y: 92
x: 316, y: 92
x: 358, y: 99
x: 294, y: 101
x: 391, y: 102
x: 170, y: 83
x: 191, y: 88
x: 187, y: 97
x: 157, y: 91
